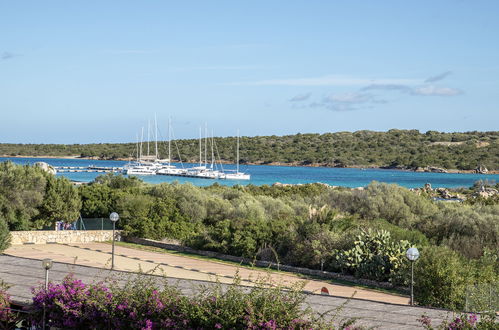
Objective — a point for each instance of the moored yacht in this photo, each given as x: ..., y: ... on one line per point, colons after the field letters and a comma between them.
x: 236, y: 175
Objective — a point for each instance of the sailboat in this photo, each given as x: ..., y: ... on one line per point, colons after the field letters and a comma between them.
x: 167, y: 168
x: 149, y: 164
x: 140, y: 166
x: 203, y: 171
x: 236, y: 175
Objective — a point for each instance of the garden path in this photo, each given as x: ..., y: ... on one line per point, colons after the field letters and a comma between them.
x: 185, y: 267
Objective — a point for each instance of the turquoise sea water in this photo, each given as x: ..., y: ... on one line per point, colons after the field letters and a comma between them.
x: 261, y: 174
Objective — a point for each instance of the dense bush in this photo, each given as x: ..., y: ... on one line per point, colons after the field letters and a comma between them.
x: 4, y: 235
x: 143, y: 303
x: 31, y: 198
x: 442, y: 276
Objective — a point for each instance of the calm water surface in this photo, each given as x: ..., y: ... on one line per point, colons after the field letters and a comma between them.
x: 261, y: 174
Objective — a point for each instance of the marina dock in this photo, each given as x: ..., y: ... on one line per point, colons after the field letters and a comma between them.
x: 87, y: 169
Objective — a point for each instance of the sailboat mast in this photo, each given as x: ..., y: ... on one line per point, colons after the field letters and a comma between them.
x: 148, y: 134
x: 155, y: 137
x: 141, y: 139
x: 169, y: 140
x: 212, y: 152
x: 200, y: 154
x: 205, y: 144
x: 237, y: 166
x: 137, y: 146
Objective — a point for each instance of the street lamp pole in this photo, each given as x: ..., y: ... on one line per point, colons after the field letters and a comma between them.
x: 412, y: 283
x: 46, y: 264
x: 113, y: 217
x: 412, y: 254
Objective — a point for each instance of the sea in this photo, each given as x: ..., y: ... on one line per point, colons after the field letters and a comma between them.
x: 268, y: 175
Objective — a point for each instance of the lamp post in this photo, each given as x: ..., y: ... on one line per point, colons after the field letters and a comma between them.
x: 113, y: 217
x: 412, y: 254
x: 46, y: 264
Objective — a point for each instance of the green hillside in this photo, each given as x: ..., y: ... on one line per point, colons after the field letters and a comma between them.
x: 395, y: 148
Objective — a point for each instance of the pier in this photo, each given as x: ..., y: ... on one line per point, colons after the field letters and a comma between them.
x: 87, y: 169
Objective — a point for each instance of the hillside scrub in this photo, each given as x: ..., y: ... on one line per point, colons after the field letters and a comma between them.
x: 315, y: 226
x: 358, y: 232
x: 394, y: 148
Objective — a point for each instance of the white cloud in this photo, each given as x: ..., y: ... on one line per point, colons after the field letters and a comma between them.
x: 424, y: 90
x: 347, y: 101
x: 129, y: 51
x: 435, y: 91
x: 438, y: 77
x: 330, y: 80
x: 300, y: 97
x: 217, y: 68
x: 7, y: 56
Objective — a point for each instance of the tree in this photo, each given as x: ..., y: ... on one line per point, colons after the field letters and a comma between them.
x: 4, y: 235
x: 61, y: 202
x: 21, y: 193
x: 322, y: 245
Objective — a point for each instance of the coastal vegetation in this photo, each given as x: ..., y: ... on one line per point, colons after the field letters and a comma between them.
x: 361, y: 232
x: 408, y: 149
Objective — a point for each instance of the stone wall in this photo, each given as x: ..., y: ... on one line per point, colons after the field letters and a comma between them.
x: 62, y: 236
x: 266, y: 264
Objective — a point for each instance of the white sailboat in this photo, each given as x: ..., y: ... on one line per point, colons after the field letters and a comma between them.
x: 236, y: 175
x: 167, y: 168
x: 140, y: 166
x: 203, y: 171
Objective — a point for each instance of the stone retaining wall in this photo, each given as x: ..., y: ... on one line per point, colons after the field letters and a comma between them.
x: 62, y: 236
x: 266, y: 264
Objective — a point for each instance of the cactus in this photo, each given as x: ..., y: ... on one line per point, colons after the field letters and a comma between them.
x: 375, y: 255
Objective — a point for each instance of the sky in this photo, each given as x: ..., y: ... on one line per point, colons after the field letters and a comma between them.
x: 98, y: 71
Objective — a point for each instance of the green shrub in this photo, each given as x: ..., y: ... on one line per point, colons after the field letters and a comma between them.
x: 441, y: 277
x: 4, y: 235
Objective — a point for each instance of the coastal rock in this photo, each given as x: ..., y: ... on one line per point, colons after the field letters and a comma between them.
x: 486, y: 193
x: 435, y: 169
x: 444, y: 193
x: 278, y: 184
x: 46, y: 167
x: 427, y: 187
x: 430, y: 169
x: 481, y: 170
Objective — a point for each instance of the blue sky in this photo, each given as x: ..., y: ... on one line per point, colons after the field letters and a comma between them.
x: 97, y: 71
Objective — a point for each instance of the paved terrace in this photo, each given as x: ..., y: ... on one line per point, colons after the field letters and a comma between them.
x: 20, y: 267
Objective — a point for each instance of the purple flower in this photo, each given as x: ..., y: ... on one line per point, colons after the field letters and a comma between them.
x: 218, y: 326
x: 473, y: 318
x: 148, y: 325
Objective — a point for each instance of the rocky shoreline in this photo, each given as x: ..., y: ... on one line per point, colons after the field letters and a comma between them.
x: 430, y: 169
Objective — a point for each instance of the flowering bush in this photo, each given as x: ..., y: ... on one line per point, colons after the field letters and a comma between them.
x: 143, y: 304
x: 462, y: 321
x: 7, y: 316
